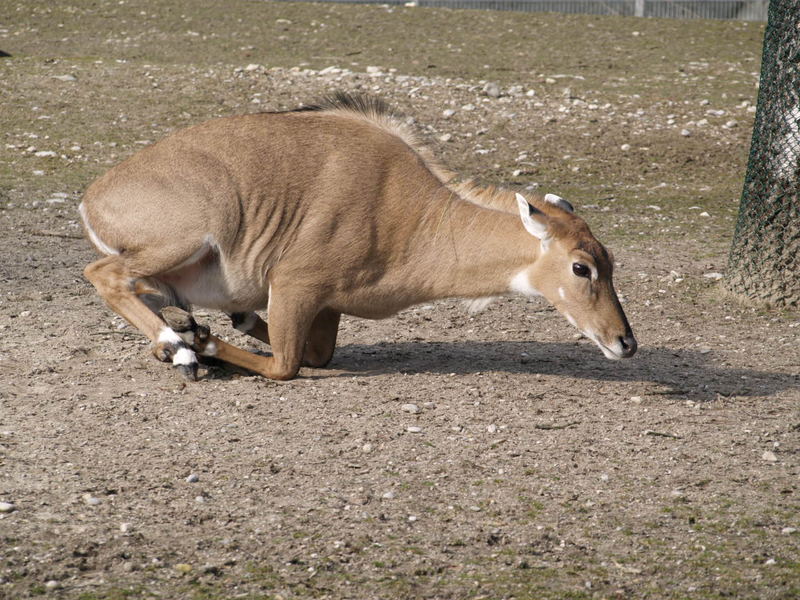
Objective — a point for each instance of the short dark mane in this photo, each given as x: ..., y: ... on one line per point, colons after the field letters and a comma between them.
x: 358, y: 103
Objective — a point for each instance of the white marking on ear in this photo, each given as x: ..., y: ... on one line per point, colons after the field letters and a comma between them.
x: 561, y: 293
x: 476, y: 305
x: 184, y: 356
x: 248, y: 323
x: 535, y: 227
x: 210, y: 349
x: 167, y: 335
x: 522, y: 285
x: 559, y: 201
x: 93, y: 237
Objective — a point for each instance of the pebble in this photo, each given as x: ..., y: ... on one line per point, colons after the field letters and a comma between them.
x: 52, y: 584
x: 475, y: 508
x: 447, y: 113
x: 769, y: 561
x: 7, y: 507
x: 636, y: 399
x: 373, y: 70
x: 685, y: 132
x: 389, y: 495
x: 414, y: 429
x: 366, y: 448
x: 193, y: 478
x: 65, y: 77
x: 125, y: 527
x: 492, y: 90
x: 446, y: 137
x: 468, y: 107
x: 788, y: 530
x: 410, y: 408
x: 716, y: 276
x: 704, y: 214
x: 412, y: 518
x: 45, y: 154
x: 252, y: 67
x: 769, y: 456
x: 182, y: 568
x: 704, y: 349
x: 91, y: 500
x: 491, y: 428
x: 625, y: 147
x: 731, y: 124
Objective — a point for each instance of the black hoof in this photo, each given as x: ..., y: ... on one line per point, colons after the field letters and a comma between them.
x: 189, y: 371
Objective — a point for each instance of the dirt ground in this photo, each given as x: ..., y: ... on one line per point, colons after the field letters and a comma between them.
x: 534, y: 467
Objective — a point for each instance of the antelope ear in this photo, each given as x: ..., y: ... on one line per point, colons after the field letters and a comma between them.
x: 534, y: 220
x: 559, y: 201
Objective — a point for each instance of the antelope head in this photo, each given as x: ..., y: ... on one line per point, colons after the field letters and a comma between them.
x: 573, y: 271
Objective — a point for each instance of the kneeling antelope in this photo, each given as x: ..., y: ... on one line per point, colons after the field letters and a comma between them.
x: 327, y: 210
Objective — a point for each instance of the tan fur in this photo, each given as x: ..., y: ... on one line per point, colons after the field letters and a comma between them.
x: 316, y: 213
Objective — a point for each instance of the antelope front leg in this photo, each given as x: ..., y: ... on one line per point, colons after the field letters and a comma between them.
x: 287, y: 346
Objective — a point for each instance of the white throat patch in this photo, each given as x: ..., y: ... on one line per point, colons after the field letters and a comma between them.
x: 522, y: 285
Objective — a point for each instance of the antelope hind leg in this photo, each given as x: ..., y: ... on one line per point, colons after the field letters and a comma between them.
x: 117, y: 286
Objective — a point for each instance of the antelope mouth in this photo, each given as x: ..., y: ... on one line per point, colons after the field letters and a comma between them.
x: 624, y: 347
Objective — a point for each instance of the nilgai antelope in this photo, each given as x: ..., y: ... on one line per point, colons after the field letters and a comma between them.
x: 310, y: 214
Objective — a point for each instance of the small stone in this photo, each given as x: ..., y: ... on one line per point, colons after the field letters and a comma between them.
x: 52, y: 585
x: 414, y: 429
x: 412, y: 518
x: 475, y: 508
x: 410, y: 408
x: 182, y: 568
x: 448, y: 112
x: 731, y: 124
x: 390, y: 495
x: 492, y: 90
x: 491, y: 428
x: 193, y: 478
x: 25, y: 313
x: 200, y: 499
x: 91, y: 500
x: 636, y: 399
x: 373, y: 70
x: 704, y: 214
x: 788, y: 530
x: 252, y: 67
x: 366, y: 448
x: 769, y: 456
x: 770, y: 562
x: 625, y: 147
x: 45, y: 154
x: 704, y: 349
x: 65, y: 77
x: 686, y: 133
x: 7, y: 507
x: 468, y: 107
x: 445, y: 137
x: 715, y: 276
x: 125, y: 527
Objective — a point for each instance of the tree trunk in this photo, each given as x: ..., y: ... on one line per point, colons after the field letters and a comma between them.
x: 763, y: 264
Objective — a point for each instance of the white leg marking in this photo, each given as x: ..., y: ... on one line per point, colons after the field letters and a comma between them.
x: 184, y: 356
x: 521, y: 284
x: 210, y: 349
x: 561, y: 293
x: 99, y: 244
x: 167, y: 335
x: 571, y: 320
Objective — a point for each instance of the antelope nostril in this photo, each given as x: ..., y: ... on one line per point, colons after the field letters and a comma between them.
x: 629, y: 345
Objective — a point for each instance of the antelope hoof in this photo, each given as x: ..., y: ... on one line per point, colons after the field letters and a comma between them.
x: 189, y: 371
x: 186, y: 328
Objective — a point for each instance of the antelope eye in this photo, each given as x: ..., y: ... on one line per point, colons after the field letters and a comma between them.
x: 580, y: 270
